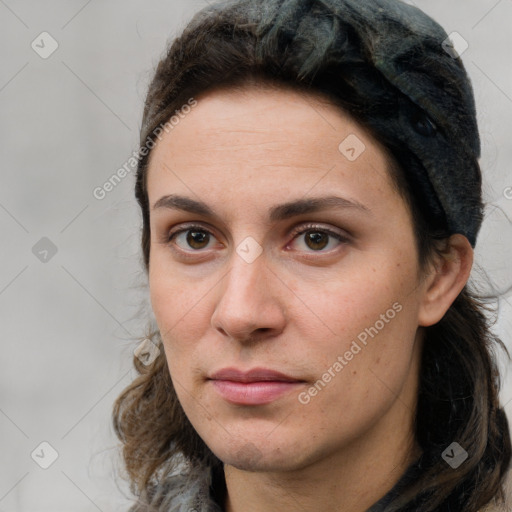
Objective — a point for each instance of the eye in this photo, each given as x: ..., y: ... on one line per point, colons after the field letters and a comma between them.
x: 310, y: 238
x: 317, y: 239
x: 192, y: 237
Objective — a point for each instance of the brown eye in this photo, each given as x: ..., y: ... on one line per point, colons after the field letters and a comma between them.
x: 316, y: 240
x: 197, y: 239
x: 194, y: 238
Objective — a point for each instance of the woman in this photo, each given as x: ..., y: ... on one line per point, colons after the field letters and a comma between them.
x: 311, y: 197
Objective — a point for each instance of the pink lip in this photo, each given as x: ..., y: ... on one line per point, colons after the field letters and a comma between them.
x: 254, y: 387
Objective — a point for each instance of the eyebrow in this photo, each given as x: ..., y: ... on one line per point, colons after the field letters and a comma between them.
x: 277, y: 213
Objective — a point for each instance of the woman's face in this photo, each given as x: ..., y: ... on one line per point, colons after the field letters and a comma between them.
x: 279, y: 244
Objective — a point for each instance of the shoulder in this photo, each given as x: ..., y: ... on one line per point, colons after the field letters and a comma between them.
x: 182, y: 492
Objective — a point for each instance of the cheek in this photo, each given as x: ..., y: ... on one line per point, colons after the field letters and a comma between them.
x: 368, y: 325
x: 326, y: 310
x: 176, y: 303
x: 345, y: 303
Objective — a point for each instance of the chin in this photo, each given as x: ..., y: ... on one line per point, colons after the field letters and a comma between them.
x: 262, y: 456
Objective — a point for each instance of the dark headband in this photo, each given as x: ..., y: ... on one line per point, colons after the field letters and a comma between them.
x: 413, y: 90
x: 435, y: 122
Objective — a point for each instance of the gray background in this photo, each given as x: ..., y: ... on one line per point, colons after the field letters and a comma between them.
x: 70, y: 323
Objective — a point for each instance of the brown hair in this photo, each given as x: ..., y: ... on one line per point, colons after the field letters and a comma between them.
x: 459, y: 379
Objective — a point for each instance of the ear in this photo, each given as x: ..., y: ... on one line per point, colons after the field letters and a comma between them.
x: 449, y: 273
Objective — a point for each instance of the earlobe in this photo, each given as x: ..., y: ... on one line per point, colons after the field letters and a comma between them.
x: 449, y: 275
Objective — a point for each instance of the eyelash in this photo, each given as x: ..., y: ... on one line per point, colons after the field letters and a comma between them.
x: 295, y: 234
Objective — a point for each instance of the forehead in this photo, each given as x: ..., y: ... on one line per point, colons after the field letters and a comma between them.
x: 261, y: 136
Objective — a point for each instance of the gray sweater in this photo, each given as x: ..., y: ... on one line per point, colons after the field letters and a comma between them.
x: 203, y: 490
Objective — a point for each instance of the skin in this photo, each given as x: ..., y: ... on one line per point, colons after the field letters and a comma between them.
x: 297, y: 306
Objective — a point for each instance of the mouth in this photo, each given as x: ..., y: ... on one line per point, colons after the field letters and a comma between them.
x: 257, y: 386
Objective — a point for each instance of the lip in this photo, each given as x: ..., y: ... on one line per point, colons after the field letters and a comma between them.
x: 253, y: 375
x: 257, y: 386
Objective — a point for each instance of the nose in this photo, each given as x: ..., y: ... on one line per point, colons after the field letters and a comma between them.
x: 249, y: 306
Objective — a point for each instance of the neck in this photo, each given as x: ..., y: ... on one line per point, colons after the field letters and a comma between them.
x: 349, y: 480
x: 351, y: 483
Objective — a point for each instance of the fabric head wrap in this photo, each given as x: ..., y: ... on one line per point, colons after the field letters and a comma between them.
x: 412, y: 89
